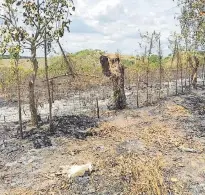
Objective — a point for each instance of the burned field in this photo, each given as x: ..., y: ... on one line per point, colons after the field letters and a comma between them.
x: 99, y: 123
x: 157, y: 148
x: 153, y: 146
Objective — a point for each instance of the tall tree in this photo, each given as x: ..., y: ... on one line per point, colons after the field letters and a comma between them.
x: 192, y: 21
x: 11, y: 44
x: 29, y: 19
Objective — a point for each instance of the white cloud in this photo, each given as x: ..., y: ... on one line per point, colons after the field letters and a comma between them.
x: 86, y: 40
x: 115, y: 23
x: 1, y: 9
x: 89, y: 9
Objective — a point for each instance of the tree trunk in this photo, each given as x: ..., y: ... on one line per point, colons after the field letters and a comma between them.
x: 32, y: 103
x: 112, y: 68
x: 186, y: 70
x: 19, y: 97
x: 177, y: 73
x: 70, y: 68
x: 194, y: 77
x: 48, y: 86
x: 119, y: 99
x: 189, y: 74
x: 181, y: 66
x: 194, y: 66
x: 51, y: 84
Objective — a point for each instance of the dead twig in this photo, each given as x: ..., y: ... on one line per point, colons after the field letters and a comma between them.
x: 64, y: 75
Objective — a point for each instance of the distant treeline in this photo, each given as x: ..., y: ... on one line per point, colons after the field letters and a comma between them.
x: 8, y: 57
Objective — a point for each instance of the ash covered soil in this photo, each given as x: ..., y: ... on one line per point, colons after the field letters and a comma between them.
x: 152, y: 150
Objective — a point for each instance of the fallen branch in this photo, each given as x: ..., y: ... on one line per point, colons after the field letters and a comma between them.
x: 64, y: 75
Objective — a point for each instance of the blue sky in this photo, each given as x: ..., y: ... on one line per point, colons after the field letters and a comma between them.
x: 113, y: 25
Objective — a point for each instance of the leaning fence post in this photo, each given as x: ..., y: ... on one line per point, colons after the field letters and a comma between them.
x: 181, y: 75
x: 138, y: 83
x: 203, y: 73
x: 147, y: 84
x: 160, y: 68
x: 97, y: 108
x: 177, y: 70
x: 51, y: 84
x: 186, y: 72
x: 189, y: 77
x: 168, y: 89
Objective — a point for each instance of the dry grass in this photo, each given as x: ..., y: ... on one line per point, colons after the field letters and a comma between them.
x: 25, y: 63
x: 154, y: 172
x: 176, y: 110
x: 140, y: 175
x: 143, y: 175
x: 164, y: 138
x: 159, y: 135
x: 21, y: 191
x: 104, y: 130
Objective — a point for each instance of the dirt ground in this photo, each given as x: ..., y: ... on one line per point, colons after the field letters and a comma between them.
x: 156, y: 150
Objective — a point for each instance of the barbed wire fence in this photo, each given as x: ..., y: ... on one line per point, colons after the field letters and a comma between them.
x: 92, y: 100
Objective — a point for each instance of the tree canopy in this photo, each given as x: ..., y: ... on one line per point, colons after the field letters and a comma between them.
x: 192, y: 20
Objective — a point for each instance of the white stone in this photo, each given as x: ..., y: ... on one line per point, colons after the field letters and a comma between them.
x: 76, y: 170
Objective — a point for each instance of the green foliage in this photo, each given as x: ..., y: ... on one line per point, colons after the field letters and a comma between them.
x: 128, y: 62
x: 57, y: 66
x: 87, y: 61
x: 25, y: 24
x: 5, y: 56
x: 192, y: 22
x: 8, y: 77
x: 88, y: 52
x: 40, y: 16
x: 154, y: 60
x: 167, y: 58
x: 131, y: 61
